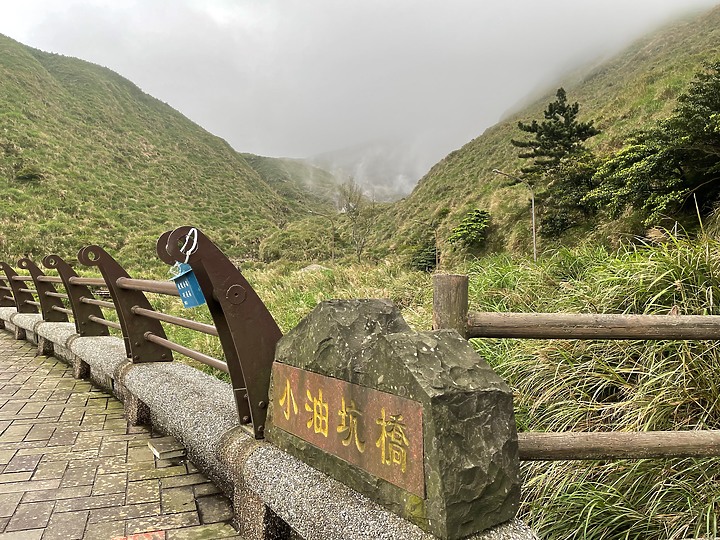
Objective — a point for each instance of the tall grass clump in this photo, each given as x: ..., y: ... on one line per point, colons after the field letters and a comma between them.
x: 572, y: 385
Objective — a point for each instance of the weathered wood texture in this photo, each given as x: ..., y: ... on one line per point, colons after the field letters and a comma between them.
x: 618, y: 445
x: 450, y: 302
x: 592, y: 326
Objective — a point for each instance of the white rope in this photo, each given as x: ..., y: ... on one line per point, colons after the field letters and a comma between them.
x: 191, y: 236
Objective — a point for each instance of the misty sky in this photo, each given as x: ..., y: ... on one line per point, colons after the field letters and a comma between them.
x: 299, y: 78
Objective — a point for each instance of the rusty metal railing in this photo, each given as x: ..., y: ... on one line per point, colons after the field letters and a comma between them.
x: 245, y: 328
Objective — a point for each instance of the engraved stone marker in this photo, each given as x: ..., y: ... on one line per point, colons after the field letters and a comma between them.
x: 417, y: 422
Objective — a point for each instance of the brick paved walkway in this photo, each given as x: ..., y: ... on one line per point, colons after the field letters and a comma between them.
x: 70, y: 467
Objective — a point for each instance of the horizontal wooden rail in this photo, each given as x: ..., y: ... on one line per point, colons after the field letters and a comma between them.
x: 30, y: 291
x: 178, y: 321
x: 618, y: 445
x: 190, y: 353
x: 5, y: 288
x: 89, y: 282
x: 57, y: 295
x: 105, y: 322
x: 148, y: 285
x: 93, y: 302
x: 6, y: 297
x: 592, y: 326
x: 49, y: 279
x: 62, y: 310
x: 32, y: 303
x: 22, y: 278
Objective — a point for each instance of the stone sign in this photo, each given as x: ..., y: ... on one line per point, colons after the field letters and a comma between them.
x: 379, y: 432
x: 415, y: 421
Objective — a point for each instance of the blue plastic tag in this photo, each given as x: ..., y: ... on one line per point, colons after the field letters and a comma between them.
x: 188, y: 287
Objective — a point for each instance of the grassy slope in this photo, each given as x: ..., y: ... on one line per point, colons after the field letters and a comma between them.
x: 628, y: 92
x: 117, y: 166
x: 296, y: 179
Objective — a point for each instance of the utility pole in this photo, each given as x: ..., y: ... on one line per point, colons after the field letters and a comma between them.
x: 532, y: 206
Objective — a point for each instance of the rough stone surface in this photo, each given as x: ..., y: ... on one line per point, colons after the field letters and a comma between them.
x: 27, y: 321
x: 470, y: 443
x: 104, y: 354
x: 207, y: 412
x: 7, y: 312
x: 321, y: 508
x: 57, y: 332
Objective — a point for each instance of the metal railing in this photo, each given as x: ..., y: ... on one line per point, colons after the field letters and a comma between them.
x: 245, y: 328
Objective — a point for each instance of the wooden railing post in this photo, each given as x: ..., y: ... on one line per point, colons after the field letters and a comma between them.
x: 450, y: 302
x: 47, y: 302
x: 82, y: 313
x: 134, y: 327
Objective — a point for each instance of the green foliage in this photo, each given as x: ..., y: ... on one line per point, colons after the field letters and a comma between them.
x: 563, y: 203
x: 425, y: 256
x: 566, y: 385
x: 558, y: 136
x: 471, y: 231
x: 665, y: 170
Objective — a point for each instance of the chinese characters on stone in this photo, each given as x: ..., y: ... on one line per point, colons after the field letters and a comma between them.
x: 388, y: 430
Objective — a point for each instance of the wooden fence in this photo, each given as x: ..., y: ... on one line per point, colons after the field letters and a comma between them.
x: 450, y: 310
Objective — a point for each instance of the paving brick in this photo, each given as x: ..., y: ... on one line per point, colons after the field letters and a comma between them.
x: 107, y: 529
x: 179, y: 499
x: 79, y: 476
x: 184, y: 480
x: 49, y: 470
x: 143, y: 491
x: 90, y: 503
x: 214, y: 509
x: 109, y: 483
x: 203, y: 532
x: 30, y: 516
x: 57, y: 494
x: 162, y: 522
x: 8, y: 504
x: 177, y: 470
x: 66, y: 526
x: 22, y: 464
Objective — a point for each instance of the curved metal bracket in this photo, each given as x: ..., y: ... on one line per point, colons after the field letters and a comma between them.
x: 248, y: 333
x: 81, y: 312
x: 21, y: 298
x: 43, y: 287
x: 133, y: 326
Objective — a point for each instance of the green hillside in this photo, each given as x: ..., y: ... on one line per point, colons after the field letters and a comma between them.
x: 87, y: 157
x: 296, y: 179
x: 627, y: 93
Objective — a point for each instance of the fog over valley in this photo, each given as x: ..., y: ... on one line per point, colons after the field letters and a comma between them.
x: 380, y: 90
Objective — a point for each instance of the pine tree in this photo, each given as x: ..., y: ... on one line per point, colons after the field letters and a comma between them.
x: 558, y: 136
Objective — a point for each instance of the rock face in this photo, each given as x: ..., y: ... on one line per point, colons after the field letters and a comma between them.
x: 469, y: 451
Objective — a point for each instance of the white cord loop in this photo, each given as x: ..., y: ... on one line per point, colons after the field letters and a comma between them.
x: 190, y: 237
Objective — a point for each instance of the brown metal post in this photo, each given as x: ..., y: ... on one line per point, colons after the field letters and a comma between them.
x: 84, y: 325
x: 248, y: 333
x: 450, y: 302
x: 21, y: 298
x: 42, y: 287
x: 133, y: 326
x: 6, y: 302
